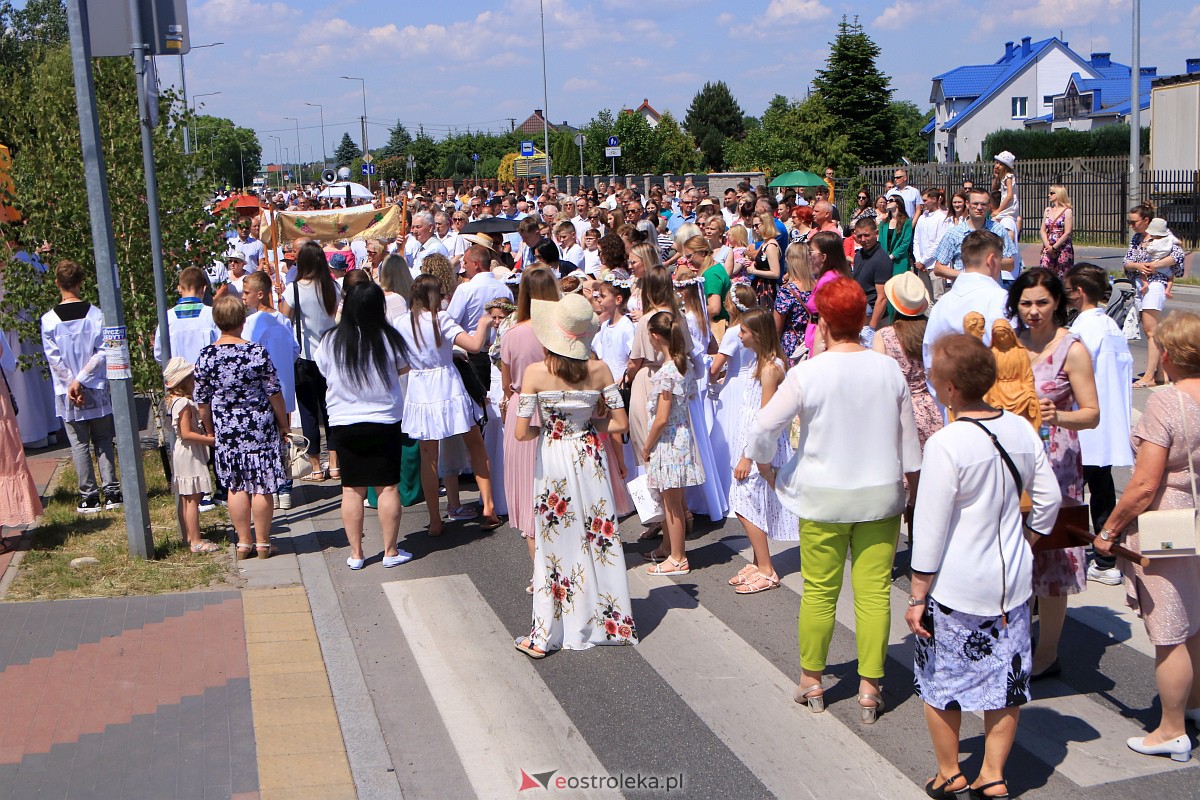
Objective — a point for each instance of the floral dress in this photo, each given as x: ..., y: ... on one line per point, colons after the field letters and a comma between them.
x: 580, y: 593
x: 675, y: 460
x: 1061, y: 260
x: 753, y: 498
x: 1060, y: 572
x: 790, y: 304
x: 237, y: 380
x: 929, y: 418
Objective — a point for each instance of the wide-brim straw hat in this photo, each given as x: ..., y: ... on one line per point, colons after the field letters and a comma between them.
x: 479, y: 239
x: 1006, y: 158
x: 907, y: 294
x: 565, y: 327
x: 177, y: 369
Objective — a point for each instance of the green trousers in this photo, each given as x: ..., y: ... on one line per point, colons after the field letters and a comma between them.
x: 410, y: 476
x: 823, y: 547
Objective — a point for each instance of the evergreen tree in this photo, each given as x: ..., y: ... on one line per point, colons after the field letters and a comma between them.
x: 346, y: 151
x: 858, y: 94
x: 397, y: 143
x: 713, y: 109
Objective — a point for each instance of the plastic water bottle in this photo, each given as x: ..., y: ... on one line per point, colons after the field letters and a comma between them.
x: 1044, y: 433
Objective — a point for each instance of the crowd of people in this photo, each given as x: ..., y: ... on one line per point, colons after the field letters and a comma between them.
x: 760, y: 357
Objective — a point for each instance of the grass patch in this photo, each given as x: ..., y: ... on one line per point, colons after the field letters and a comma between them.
x: 46, y: 573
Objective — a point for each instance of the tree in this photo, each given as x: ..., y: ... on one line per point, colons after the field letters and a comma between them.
x: 714, y: 109
x: 675, y: 151
x: 907, y: 122
x: 598, y: 129
x: 637, y: 144
x: 858, y: 94
x: 346, y: 151
x: 397, y: 144
x: 226, y: 152
x: 793, y: 135
x: 427, y: 154
x: 505, y: 173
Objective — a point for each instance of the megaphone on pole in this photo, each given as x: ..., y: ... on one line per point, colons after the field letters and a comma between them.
x: 328, y: 177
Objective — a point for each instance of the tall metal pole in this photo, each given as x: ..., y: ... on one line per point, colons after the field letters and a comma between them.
x: 187, y: 145
x: 365, y: 149
x: 299, y: 166
x: 277, y: 163
x: 1135, y: 109
x: 133, y: 478
x: 545, y: 96
x: 196, y: 108
x: 324, y: 157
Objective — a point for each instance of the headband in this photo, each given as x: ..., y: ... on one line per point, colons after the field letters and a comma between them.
x: 738, y: 303
x: 624, y: 283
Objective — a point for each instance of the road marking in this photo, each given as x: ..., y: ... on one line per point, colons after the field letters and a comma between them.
x: 719, y: 675
x: 498, y: 711
x: 1081, y: 739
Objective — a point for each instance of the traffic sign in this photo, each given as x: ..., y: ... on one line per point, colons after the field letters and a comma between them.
x: 412, y: 162
x: 580, y: 139
x: 474, y: 156
x: 613, y: 141
x: 368, y: 169
x: 367, y: 159
x: 612, y: 152
x: 527, y: 148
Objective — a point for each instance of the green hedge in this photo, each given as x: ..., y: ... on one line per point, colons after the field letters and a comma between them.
x: 1110, y: 140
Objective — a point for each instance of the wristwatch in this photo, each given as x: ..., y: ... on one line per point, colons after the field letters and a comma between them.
x: 916, y: 601
x: 1108, y: 536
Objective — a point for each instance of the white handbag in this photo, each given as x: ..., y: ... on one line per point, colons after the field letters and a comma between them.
x: 646, y: 500
x: 1171, y: 533
x: 297, y: 457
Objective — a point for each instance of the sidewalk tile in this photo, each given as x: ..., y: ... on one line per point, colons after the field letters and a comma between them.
x: 306, y: 769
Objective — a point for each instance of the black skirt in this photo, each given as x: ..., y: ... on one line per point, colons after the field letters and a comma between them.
x: 368, y: 452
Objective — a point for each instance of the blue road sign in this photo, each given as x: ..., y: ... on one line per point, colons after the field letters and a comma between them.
x: 368, y: 169
x: 526, y: 148
x: 474, y: 156
x: 613, y: 141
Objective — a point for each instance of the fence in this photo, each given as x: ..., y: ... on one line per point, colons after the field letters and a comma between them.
x: 1098, y: 188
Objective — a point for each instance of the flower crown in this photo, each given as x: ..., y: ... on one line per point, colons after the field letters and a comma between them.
x: 696, y: 281
x: 622, y: 283
x: 738, y: 304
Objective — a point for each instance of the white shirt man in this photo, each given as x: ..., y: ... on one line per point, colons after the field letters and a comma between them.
x: 423, y: 242
x: 976, y: 289
x: 928, y: 231
x: 580, y: 220
x: 250, y: 247
x: 912, y: 197
x: 467, y: 305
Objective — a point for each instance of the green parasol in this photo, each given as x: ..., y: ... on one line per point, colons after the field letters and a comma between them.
x: 798, y: 177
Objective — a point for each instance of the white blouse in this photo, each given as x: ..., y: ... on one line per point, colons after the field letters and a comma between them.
x: 1108, y: 443
x: 858, y: 437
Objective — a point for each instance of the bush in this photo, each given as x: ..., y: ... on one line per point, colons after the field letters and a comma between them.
x: 1110, y: 140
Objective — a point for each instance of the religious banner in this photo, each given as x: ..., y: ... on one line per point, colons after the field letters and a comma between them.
x: 327, y: 227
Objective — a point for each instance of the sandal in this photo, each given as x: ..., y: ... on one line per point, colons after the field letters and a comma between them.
x: 461, y: 514
x: 940, y: 792
x: 977, y: 791
x: 525, y: 645
x: 1139, y: 384
x: 669, y: 566
x: 654, y: 556
x: 753, y: 584
x: 316, y: 476
x: 491, y: 523
x: 244, y: 551
x: 335, y: 473
x: 205, y: 547
x: 870, y: 713
x: 529, y: 588
x: 743, y: 574
x: 815, y: 702
x: 266, y: 550
x: 652, y: 532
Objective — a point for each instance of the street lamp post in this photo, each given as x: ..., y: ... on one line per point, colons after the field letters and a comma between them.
x: 196, y: 106
x: 365, y: 150
x: 545, y: 95
x: 1135, y: 109
x: 187, y: 146
x: 324, y: 158
x: 277, y: 162
x: 299, y: 166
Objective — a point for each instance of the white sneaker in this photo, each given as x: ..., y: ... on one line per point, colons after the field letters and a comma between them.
x: 1110, y: 577
x: 275, y: 501
x: 285, y: 501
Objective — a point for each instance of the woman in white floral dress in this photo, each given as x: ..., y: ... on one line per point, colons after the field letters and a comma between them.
x: 580, y: 592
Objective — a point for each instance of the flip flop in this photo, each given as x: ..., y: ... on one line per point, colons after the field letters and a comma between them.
x: 525, y: 645
x: 206, y: 547
x: 316, y: 476
x: 490, y: 524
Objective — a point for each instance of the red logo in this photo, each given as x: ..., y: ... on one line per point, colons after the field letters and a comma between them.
x: 538, y: 780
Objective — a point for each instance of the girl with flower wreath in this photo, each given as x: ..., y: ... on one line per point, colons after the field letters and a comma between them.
x: 580, y: 592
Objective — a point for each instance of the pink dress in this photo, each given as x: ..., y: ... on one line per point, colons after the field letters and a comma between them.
x: 1060, y: 572
x: 19, y: 500
x: 519, y: 348
x: 928, y: 418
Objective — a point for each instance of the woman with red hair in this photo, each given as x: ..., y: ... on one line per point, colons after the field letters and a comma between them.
x: 851, y: 401
x: 800, y: 224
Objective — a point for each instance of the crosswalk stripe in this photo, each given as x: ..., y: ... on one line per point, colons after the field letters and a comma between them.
x: 746, y: 701
x: 1098, y: 755
x: 499, y: 713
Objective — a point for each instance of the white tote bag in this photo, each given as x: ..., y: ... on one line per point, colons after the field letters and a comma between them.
x: 646, y: 500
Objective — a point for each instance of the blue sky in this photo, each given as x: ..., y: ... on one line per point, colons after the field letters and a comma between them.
x: 463, y: 64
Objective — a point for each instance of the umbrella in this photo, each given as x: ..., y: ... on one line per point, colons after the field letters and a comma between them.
x: 798, y: 178
x: 357, y: 190
x: 244, y: 203
x: 491, y: 225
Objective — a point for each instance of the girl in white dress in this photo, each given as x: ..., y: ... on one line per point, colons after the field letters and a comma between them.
x: 437, y: 405
x: 738, y: 363
x: 612, y: 345
x: 751, y: 498
x: 712, y: 496
x: 189, y: 459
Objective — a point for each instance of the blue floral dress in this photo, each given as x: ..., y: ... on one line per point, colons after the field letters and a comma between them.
x: 675, y: 460
x: 237, y: 380
x: 580, y: 592
x: 790, y: 304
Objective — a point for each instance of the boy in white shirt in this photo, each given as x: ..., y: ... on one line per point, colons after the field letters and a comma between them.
x: 568, y: 247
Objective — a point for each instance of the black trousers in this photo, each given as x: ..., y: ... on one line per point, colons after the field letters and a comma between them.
x: 1103, y: 499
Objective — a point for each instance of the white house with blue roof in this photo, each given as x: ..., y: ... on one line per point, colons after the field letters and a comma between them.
x: 972, y: 101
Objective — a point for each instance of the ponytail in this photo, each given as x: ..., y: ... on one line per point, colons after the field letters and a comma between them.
x: 670, y: 328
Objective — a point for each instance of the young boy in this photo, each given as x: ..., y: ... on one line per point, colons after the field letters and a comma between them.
x: 591, y: 252
x: 73, y: 339
x: 568, y: 247
x: 190, y: 322
x: 236, y: 263
x: 273, y: 331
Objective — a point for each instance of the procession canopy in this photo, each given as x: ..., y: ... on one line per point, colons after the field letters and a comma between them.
x: 360, y: 222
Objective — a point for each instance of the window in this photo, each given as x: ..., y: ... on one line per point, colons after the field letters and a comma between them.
x: 1047, y: 99
x: 1020, y: 107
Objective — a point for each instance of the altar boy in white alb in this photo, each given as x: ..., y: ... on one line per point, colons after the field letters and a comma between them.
x: 73, y: 338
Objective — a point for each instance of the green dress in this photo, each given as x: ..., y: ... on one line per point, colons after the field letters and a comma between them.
x: 898, y: 244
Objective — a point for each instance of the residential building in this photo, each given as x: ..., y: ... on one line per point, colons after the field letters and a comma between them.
x: 1175, y: 121
x: 646, y: 111
x: 1088, y: 102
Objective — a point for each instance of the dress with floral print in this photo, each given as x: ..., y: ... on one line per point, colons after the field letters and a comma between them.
x: 581, y: 595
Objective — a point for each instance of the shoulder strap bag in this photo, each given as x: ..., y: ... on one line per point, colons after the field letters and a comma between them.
x: 1171, y: 533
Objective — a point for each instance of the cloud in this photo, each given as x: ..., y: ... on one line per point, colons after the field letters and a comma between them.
x: 779, y: 14
x: 896, y: 16
x: 246, y: 15
x: 580, y: 84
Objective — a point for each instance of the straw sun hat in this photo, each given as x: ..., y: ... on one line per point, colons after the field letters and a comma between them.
x: 176, y: 371
x: 565, y: 327
x: 907, y: 294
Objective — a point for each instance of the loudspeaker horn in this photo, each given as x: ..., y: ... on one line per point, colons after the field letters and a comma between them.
x: 329, y: 176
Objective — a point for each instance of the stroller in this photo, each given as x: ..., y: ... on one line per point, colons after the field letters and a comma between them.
x: 1122, y: 309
